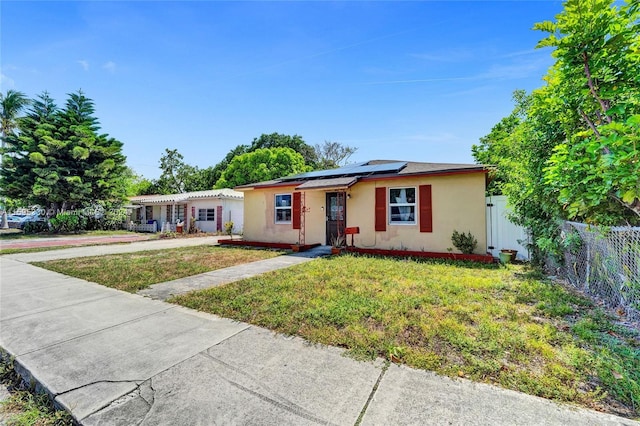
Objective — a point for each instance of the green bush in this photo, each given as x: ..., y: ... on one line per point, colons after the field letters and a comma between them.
x: 465, y: 242
x: 35, y: 227
x: 68, y: 222
x: 111, y: 219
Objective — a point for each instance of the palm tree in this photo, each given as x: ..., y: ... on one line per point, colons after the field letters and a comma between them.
x: 11, y: 105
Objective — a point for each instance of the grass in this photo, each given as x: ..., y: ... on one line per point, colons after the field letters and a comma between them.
x: 498, y: 325
x: 135, y: 271
x: 25, y: 407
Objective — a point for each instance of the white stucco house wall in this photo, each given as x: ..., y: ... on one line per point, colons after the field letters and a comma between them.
x: 209, y: 209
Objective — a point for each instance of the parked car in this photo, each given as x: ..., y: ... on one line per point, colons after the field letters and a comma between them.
x: 20, y: 220
x: 14, y: 219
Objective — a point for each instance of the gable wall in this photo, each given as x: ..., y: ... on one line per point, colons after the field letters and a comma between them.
x: 259, y: 217
x: 458, y: 203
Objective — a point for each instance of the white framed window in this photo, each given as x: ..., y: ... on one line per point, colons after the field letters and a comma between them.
x: 208, y: 215
x: 402, y: 206
x: 179, y: 212
x: 283, y: 208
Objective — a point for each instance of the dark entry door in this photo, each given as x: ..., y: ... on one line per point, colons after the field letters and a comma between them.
x: 336, y: 212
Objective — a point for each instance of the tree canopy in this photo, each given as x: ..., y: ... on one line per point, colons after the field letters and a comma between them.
x: 331, y: 155
x: 59, y: 160
x: 595, y: 87
x: 273, y: 140
x: 12, y: 104
x: 260, y: 165
x: 569, y: 150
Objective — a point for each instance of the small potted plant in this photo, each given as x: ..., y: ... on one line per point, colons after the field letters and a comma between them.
x: 337, y: 243
x: 507, y: 255
x: 295, y: 247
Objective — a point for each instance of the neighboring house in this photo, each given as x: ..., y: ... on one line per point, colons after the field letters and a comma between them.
x: 395, y: 204
x: 210, y: 209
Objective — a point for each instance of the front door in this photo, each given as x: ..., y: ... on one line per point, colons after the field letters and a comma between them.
x: 336, y: 212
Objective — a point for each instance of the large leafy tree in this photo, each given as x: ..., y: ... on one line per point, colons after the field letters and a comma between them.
x: 135, y: 184
x: 295, y: 142
x: 175, y: 172
x: 59, y: 160
x: 219, y: 168
x: 260, y: 165
x: 331, y: 155
x: 273, y: 140
x: 178, y: 177
x: 595, y: 88
x: 498, y: 150
x: 569, y: 150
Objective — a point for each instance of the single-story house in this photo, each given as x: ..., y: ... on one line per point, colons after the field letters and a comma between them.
x: 209, y: 209
x: 395, y: 205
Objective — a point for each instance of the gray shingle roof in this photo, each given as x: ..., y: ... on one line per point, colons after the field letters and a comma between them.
x: 333, y: 177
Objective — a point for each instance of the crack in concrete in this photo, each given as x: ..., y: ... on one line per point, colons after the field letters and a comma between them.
x: 129, y: 395
x: 277, y: 400
x: 137, y: 382
x: 149, y: 403
x: 97, y: 331
x: 372, y: 394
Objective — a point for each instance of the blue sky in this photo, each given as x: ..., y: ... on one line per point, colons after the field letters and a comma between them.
x: 416, y: 80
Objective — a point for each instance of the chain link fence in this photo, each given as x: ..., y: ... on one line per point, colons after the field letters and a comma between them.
x: 605, y: 264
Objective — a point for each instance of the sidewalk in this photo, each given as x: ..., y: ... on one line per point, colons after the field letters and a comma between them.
x: 55, y: 241
x: 115, y: 358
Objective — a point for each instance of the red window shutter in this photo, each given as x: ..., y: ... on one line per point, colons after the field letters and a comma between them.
x: 219, y: 218
x: 426, y: 212
x: 381, y: 209
x: 297, y: 207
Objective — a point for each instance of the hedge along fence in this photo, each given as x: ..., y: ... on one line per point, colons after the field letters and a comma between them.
x: 604, y: 262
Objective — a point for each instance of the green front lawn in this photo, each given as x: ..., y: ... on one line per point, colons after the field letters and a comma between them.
x: 135, y: 271
x: 487, y: 323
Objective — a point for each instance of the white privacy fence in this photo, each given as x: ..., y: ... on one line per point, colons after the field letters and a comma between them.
x: 605, y: 263
x: 501, y: 232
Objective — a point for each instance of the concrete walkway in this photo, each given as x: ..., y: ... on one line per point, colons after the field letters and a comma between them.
x: 163, y: 291
x: 114, y: 358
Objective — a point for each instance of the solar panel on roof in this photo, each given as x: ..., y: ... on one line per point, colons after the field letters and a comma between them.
x: 352, y: 169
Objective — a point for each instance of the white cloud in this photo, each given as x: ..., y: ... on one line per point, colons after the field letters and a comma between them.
x: 110, y: 66
x: 84, y: 64
x: 519, y: 69
x: 450, y: 55
x: 524, y: 66
x: 6, y: 82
